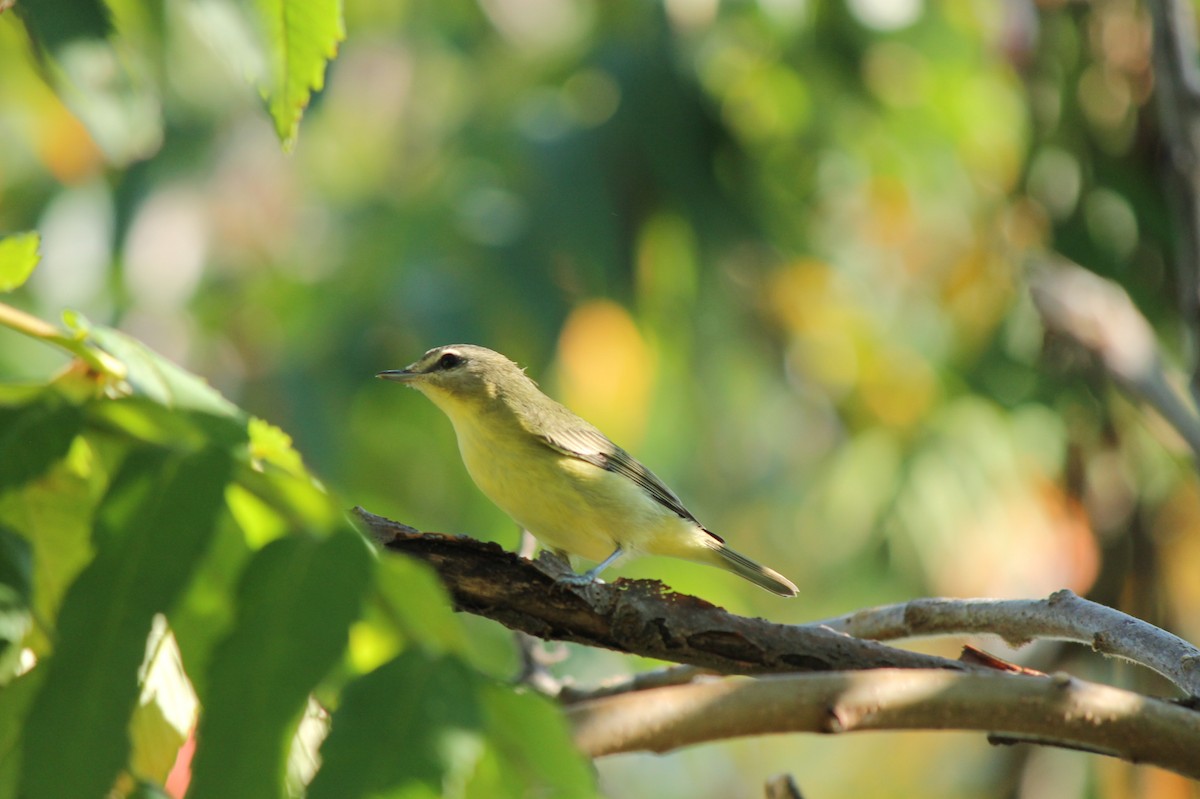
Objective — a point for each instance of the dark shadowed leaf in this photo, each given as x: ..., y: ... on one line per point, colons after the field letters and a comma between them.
x: 400, y: 725
x: 35, y: 435
x: 16, y: 591
x: 15, y: 701
x: 55, y: 23
x: 151, y: 529
x: 296, y: 601
x: 534, y: 746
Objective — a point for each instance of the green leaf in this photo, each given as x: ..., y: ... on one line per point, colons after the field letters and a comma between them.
x: 415, y: 602
x: 16, y: 592
x: 153, y: 376
x: 54, y: 514
x: 204, y: 614
x: 296, y: 601
x: 55, y: 23
x: 150, y: 531
x: 86, y: 55
x: 403, y: 723
x: 536, y: 756
x: 144, y: 420
x: 18, y: 257
x: 301, y: 38
x: 15, y: 702
x: 34, y: 436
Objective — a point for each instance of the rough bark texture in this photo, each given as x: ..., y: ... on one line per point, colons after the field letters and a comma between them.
x: 641, y: 617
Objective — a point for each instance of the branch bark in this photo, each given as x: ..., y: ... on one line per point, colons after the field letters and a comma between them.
x: 639, y: 617
x: 1062, y: 616
x: 875, y: 687
x: 1056, y: 709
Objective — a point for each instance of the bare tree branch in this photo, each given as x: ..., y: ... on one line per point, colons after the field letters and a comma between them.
x: 876, y: 687
x: 1057, y: 710
x: 1099, y: 315
x: 634, y: 616
x: 642, y: 681
x: 1062, y: 616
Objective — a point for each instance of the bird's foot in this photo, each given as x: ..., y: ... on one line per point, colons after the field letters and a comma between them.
x: 580, y: 580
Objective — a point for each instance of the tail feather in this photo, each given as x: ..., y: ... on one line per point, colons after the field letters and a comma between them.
x: 756, y: 573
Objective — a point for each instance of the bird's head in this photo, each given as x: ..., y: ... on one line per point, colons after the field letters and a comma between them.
x: 461, y: 374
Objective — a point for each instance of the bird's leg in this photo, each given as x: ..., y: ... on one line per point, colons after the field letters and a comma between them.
x: 592, y: 575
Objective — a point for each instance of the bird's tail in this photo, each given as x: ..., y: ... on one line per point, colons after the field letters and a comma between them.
x: 742, y: 566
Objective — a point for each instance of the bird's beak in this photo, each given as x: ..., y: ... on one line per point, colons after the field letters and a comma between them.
x: 399, y: 375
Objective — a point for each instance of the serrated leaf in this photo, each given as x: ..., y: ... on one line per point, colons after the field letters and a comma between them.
x: 18, y: 257
x: 302, y: 36
x: 296, y: 601
x: 35, y: 435
x: 401, y: 724
x: 150, y: 531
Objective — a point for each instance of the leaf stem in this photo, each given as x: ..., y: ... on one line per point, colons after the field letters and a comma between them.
x: 97, y: 359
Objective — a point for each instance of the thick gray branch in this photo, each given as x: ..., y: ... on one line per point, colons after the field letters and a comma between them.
x: 1057, y: 710
x: 1063, y: 616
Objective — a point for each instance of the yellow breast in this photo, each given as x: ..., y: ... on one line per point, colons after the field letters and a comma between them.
x: 566, y: 503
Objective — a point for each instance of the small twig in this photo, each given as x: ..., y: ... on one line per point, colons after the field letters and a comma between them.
x: 642, y: 681
x: 99, y: 360
x: 1057, y: 710
x: 1063, y: 616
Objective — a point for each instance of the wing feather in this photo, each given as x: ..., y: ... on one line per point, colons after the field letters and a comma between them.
x: 592, y: 446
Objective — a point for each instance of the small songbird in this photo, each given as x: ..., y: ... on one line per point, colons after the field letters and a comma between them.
x: 558, y: 476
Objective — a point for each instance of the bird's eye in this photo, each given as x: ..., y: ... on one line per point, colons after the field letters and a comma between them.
x: 449, y: 360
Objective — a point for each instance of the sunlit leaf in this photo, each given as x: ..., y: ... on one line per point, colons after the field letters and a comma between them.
x: 156, y: 741
x: 296, y: 601
x: 153, y: 376
x: 301, y: 37
x: 54, y: 514
x: 150, y: 531
x: 18, y: 257
x: 204, y: 613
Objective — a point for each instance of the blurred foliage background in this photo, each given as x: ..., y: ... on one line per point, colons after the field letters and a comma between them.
x: 774, y: 248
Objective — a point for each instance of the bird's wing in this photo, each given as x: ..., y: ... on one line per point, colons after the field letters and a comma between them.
x: 594, y: 447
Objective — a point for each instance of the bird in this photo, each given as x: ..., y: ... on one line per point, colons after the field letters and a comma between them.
x: 557, y: 476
